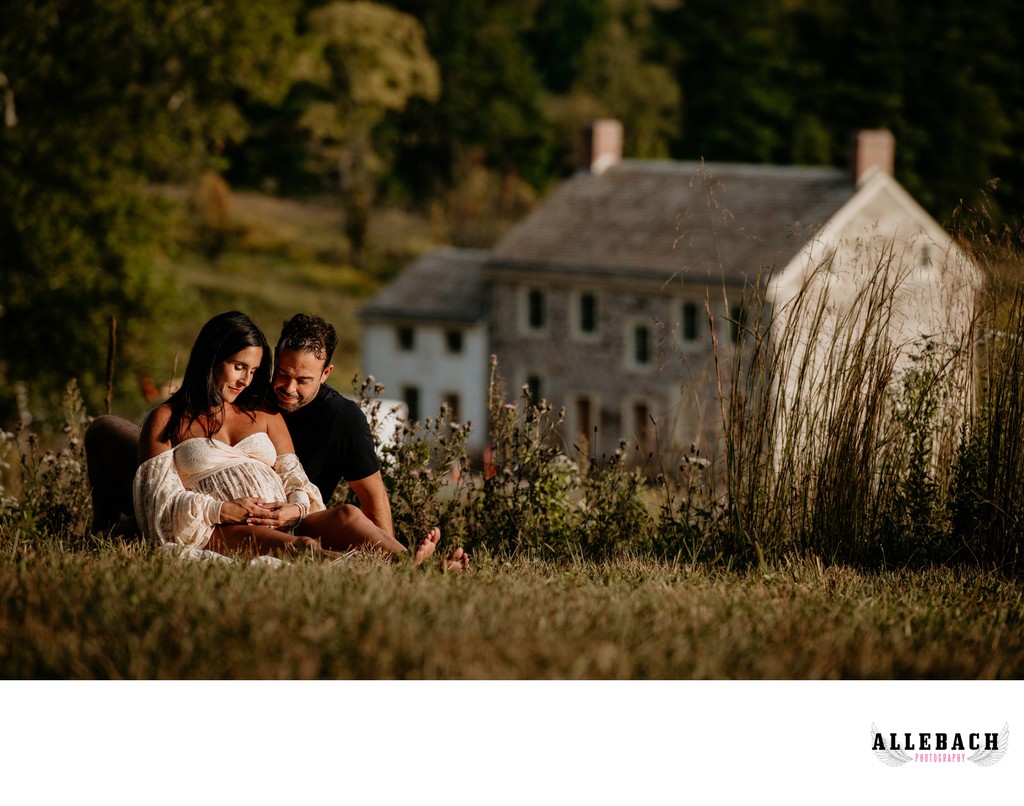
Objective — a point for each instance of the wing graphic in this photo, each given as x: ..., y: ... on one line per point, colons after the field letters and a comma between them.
x: 890, y: 757
x: 986, y: 758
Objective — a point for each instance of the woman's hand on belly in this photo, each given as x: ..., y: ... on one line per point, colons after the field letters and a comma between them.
x: 277, y: 515
x: 244, y: 510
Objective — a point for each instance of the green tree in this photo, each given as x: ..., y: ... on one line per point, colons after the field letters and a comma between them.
x: 558, y: 36
x: 731, y: 70
x: 361, y: 61
x: 107, y: 94
x: 944, y: 77
x: 489, y: 110
x: 790, y: 81
x: 620, y: 69
x: 962, y: 98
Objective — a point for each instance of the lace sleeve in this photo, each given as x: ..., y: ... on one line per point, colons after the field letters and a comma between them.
x: 299, y: 488
x: 166, y: 511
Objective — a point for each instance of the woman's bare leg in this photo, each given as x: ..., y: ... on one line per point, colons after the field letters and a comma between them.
x: 327, y: 534
x: 254, y: 541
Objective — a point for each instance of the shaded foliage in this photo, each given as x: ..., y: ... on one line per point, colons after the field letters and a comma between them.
x: 107, y: 95
x: 360, y: 61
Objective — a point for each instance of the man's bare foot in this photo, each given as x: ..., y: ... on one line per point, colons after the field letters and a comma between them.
x: 456, y: 563
x: 427, y: 546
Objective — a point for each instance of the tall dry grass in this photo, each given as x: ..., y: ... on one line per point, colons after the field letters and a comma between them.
x: 839, y: 430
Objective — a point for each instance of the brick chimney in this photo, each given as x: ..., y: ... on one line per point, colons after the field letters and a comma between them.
x: 872, y: 148
x: 604, y: 145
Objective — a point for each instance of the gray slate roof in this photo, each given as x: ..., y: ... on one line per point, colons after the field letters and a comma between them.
x: 446, y: 285
x: 659, y: 219
x: 640, y: 220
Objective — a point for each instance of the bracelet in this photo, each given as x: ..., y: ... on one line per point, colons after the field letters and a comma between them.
x: 303, y: 512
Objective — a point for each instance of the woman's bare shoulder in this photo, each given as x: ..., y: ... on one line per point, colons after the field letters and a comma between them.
x: 273, y: 423
x: 151, y: 440
x: 157, y: 418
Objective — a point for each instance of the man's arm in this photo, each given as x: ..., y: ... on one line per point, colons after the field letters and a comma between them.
x: 373, y: 500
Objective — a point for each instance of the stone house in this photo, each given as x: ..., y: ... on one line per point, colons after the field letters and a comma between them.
x: 610, y: 297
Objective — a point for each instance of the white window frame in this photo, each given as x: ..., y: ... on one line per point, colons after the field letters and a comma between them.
x: 700, y: 324
x: 631, y: 362
x: 577, y: 316
x: 525, y: 327
x: 416, y: 390
x: 734, y: 313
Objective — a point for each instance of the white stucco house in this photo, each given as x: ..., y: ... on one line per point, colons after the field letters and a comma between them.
x: 425, y: 338
x: 882, y: 276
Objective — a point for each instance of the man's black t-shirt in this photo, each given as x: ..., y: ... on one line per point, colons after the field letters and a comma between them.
x: 332, y: 440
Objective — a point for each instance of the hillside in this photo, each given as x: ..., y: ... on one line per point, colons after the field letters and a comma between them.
x: 272, y: 257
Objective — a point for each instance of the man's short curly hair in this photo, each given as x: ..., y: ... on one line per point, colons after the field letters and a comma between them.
x: 309, y: 333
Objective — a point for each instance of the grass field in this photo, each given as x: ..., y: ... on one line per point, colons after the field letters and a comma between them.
x: 127, y: 613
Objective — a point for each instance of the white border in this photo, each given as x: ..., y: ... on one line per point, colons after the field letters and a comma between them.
x: 495, y: 743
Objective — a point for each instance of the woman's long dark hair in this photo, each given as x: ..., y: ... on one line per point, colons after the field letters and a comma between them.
x: 222, y: 337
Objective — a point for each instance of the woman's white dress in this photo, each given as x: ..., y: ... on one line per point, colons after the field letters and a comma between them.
x: 178, y: 493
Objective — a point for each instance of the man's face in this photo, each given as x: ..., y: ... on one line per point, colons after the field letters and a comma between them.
x: 298, y: 375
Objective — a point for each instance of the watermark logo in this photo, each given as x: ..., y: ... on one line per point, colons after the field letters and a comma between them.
x: 897, y: 749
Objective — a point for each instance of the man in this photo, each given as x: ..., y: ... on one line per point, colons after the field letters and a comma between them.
x: 331, y: 435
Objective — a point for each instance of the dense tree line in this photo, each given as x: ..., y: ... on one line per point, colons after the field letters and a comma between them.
x: 782, y: 81
x: 402, y: 101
